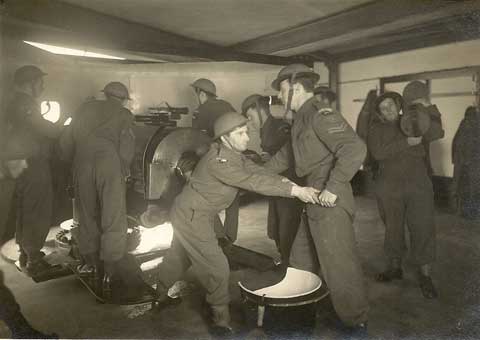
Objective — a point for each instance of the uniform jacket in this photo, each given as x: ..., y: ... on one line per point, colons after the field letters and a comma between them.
x: 326, y: 150
x: 208, y: 112
x: 24, y: 117
x: 221, y: 173
x: 397, y: 158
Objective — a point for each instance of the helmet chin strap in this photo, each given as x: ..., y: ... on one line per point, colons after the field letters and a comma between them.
x: 226, y: 142
x: 290, y: 94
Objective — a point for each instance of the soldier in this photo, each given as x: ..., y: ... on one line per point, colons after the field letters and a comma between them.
x: 404, y: 190
x: 102, y: 143
x: 208, y: 111
x: 328, y: 152
x: 13, y: 162
x: 210, y: 107
x: 283, y: 213
x: 212, y: 187
x: 34, y: 190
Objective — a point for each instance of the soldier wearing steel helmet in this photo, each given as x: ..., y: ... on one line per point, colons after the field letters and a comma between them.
x: 213, y: 185
x: 210, y: 107
x: 14, y: 154
x: 101, y: 144
x: 34, y: 190
x: 204, y: 117
x: 283, y: 213
x: 403, y: 187
x: 328, y: 152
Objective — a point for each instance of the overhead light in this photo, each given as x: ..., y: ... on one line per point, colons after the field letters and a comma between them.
x: 71, y: 51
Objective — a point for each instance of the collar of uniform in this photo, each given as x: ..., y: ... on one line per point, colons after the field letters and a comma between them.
x: 225, y: 152
x: 309, y: 104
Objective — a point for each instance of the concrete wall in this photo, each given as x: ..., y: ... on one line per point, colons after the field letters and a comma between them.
x: 358, y: 77
x: 70, y: 81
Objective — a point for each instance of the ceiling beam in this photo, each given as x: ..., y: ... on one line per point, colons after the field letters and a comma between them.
x: 349, y: 26
x: 76, y: 25
x: 463, y: 28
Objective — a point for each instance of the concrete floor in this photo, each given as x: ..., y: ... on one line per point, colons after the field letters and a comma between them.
x: 398, y: 310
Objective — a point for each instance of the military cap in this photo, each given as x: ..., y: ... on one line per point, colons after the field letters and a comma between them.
x: 250, y: 101
x: 205, y: 85
x: 415, y: 90
x: 116, y: 89
x: 297, y: 70
x: 228, y: 122
x: 325, y: 90
x: 397, y: 98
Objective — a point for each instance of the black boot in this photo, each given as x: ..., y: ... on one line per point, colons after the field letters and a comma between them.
x: 220, y: 326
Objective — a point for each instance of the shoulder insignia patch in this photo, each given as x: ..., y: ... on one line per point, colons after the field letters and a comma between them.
x: 325, y: 111
x: 338, y: 128
x: 221, y: 160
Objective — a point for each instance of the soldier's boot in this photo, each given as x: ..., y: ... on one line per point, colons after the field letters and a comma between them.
x: 221, y: 321
x: 37, y: 267
x: 163, y: 299
x: 425, y: 281
x: 89, y: 264
x: 393, y: 271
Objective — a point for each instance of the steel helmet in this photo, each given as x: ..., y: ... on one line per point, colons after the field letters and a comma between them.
x: 294, y: 71
x: 205, y: 85
x: 27, y: 73
x: 326, y: 91
x: 397, y: 98
x: 250, y: 101
x: 415, y: 90
x: 227, y: 123
x: 116, y: 89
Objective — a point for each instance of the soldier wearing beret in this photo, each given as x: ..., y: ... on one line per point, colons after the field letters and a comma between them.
x: 328, y: 152
x: 213, y: 185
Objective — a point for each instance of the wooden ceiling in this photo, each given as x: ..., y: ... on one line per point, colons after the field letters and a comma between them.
x: 266, y: 31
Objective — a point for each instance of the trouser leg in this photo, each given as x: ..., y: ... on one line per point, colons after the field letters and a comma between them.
x: 194, y: 230
x: 334, y: 238
x: 303, y: 254
x: 420, y: 215
x: 7, y: 189
x: 35, y: 196
x: 112, y: 193
x: 174, y: 264
x: 231, y: 219
x: 86, y: 206
x: 289, y: 212
x: 392, y: 212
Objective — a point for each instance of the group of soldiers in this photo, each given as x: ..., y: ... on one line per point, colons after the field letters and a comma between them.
x: 311, y: 208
